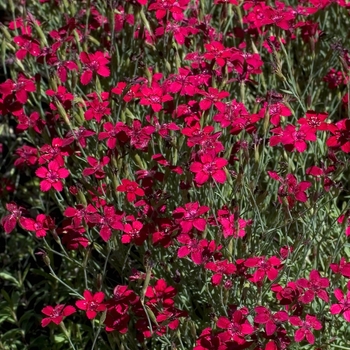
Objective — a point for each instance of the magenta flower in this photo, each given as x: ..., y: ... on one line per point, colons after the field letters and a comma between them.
x: 52, y: 176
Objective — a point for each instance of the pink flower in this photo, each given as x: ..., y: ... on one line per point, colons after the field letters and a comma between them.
x: 92, y: 303
x: 343, y: 268
x: 52, y: 176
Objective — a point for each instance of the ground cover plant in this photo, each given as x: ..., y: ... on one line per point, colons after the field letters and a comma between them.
x: 175, y: 174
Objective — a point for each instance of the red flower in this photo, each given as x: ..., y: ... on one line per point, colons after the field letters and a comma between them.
x: 140, y: 136
x: 9, y: 221
x: 33, y: 121
x: 343, y: 268
x: 276, y: 111
x: 52, y: 176
x: 92, y: 303
x: 341, y: 135
x: 230, y: 113
x: 153, y: 97
x: 133, y: 233
x: 62, y: 96
x: 78, y: 135
x: 183, y: 82
x: 97, y: 109
x: 55, y: 152
x: 93, y: 62
x: 322, y: 173
x: 213, y: 96
x: 79, y: 213
x: 107, y: 222
x: 56, y: 314
x: 268, y: 267
x: 161, y: 294
x: 217, y: 51
x: 27, y: 45
x: 27, y: 155
x: 169, y: 317
x: 191, y: 246
x: 96, y: 167
x: 343, y: 303
x: 236, y: 329
x: 233, y: 227
x: 189, y: 217
x: 176, y: 7
x: 40, y: 225
x: 294, y: 138
x: 269, y: 319
x: 131, y: 188
x: 334, y: 78
x: 290, y: 188
x: 282, y: 16
x: 20, y: 88
x: 209, y: 167
x: 209, y: 340
x: 220, y: 268
x: 314, y: 286
x: 289, y: 295
x: 305, y: 327
x: 315, y: 120
x: 114, y: 133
